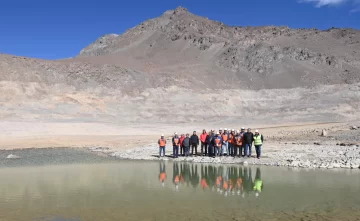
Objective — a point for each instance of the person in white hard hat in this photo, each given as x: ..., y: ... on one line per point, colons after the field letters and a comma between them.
x: 258, y: 142
x: 217, y: 144
x: 176, y: 145
x: 225, y: 147
x: 162, y: 145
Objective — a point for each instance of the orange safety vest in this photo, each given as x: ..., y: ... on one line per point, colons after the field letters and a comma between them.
x: 177, y: 179
x: 162, y: 142
x: 231, y: 138
x: 218, y: 142
x: 225, y: 186
x: 176, y: 141
x: 162, y: 177
x: 239, y: 140
x: 218, y: 181
x: 225, y: 137
x: 203, y: 183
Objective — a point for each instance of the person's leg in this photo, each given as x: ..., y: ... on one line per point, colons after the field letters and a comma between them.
x: 245, y: 150
x: 206, y: 149
x: 250, y: 151
x: 202, y: 148
x: 260, y: 151
x: 228, y: 150
x: 176, y: 151
x: 234, y: 150
x: 196, y: 146
x: 257, y: 151
x: 159, y: 151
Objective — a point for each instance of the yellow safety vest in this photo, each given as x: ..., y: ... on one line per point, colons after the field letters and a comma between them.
x: 257, y: 140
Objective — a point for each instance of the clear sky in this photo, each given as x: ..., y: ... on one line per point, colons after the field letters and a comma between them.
x: 54, y: 29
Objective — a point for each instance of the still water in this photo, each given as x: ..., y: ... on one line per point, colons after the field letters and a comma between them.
x: 102, y: 189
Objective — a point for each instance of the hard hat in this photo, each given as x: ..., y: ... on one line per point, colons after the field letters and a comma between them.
x: 243, y: 128
x: 220, y: 129
x: 256, y: 131
x: 217, y: 133
x: 175, y: 133
x: 232, y: 130
x: 162, y: 135
x: 238, y: 131
x: 225, y: 129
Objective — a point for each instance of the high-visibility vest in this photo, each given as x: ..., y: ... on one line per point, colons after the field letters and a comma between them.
x: 258, y: 185
x: 218, y: 141
x: 225, y: 137
x: 162, y: 177
x: 176, y: 141
x: 257, y: 140
x: 162, y: 142
x: 239, y: 140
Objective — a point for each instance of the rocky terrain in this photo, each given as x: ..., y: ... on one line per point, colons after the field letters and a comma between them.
x: 337, y: 146
x: 178, y: 72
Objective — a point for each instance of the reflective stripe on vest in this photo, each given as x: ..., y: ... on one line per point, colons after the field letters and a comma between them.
x: 257, y: 140
x: 162, y: 143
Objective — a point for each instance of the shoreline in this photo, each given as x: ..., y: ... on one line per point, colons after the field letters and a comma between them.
x: 300, y: 145
x: 300, y: 156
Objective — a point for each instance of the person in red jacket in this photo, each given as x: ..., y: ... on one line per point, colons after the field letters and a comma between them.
x: 203, y: 142
x: 182, y: 150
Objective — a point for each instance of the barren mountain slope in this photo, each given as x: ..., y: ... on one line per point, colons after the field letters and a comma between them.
x: 179, y: 43
x: 181, y: 69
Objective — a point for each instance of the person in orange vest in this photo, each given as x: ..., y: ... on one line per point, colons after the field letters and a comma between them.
x: 162, y: 145
x: 203, y: 142
x: 176, y: 145
x: 217, y: 143
x: 239, y: 143
x: 225, y: 145
x: 231, y: 140
x: 162, y: 175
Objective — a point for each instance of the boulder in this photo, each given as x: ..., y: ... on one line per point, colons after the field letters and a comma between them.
x: 324, y: 133
x: 12, y: 156
x: 354, y: 128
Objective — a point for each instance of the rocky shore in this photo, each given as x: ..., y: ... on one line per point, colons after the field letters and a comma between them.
x: 274, y: 154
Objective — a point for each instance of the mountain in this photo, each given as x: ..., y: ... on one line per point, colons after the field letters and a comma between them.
x: 179, y: 43
x: 181, y: 68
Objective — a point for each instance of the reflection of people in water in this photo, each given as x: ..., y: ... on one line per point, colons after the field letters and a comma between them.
x: 176, y: 175
x: 230, y: 180
x: 194, y: 176
x: 247, y: 181
x: 162, y: 175
x: 204, y: 184
x: 258, y: 184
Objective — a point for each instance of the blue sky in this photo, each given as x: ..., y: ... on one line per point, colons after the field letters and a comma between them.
x: 53, y: 29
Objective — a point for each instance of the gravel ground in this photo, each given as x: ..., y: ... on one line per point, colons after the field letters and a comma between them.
x: 290, y: 155
x: 303, y: 147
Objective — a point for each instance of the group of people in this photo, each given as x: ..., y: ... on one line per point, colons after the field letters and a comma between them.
x: 215, y: 143
x: 226, y: 180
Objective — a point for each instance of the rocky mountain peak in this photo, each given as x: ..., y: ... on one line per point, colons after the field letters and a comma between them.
x: 180, y: 10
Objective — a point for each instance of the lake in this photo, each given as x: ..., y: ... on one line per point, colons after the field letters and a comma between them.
x: 74, y: 185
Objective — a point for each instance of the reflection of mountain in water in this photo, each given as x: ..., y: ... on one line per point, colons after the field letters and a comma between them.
x: 233, y: 180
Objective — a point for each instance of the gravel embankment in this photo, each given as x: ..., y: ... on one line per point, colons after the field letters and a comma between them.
x: 291, y: 155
